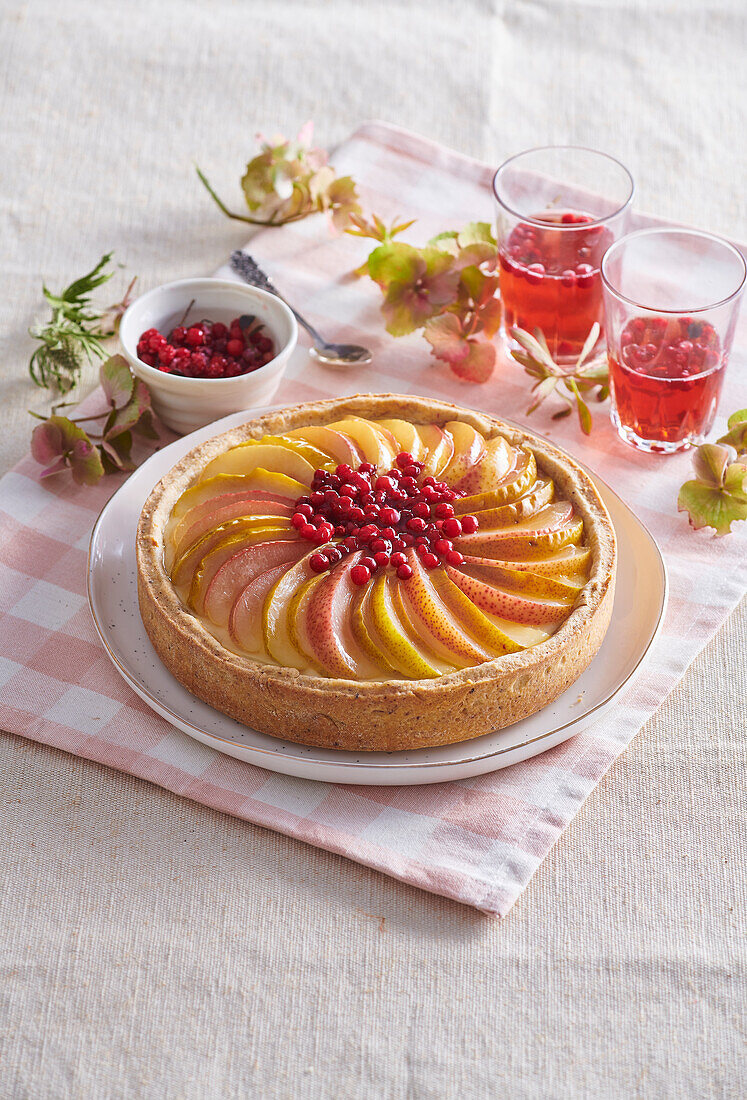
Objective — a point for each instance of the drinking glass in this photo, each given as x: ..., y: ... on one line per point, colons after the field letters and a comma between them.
x: 559, y: 209
x: 671, y: 300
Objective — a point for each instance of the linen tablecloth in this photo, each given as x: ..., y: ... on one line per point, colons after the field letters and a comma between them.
x: 478, y: 840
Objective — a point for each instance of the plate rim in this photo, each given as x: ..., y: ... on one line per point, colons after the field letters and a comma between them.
x: 388, y: 766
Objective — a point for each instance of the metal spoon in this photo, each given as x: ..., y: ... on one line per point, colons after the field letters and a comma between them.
x: 331, y: 355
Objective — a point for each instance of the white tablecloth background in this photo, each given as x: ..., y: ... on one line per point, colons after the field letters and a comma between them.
x: 152, y: 948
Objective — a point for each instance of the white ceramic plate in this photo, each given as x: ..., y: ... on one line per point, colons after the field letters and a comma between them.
x: 637, y: 616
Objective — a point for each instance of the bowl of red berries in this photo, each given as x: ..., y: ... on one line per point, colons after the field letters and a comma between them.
x: 207, y: 347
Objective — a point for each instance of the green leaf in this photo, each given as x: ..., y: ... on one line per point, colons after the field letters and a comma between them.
x: 476, y: 233
x: 708, y: 506
x: 446, y: 337
x: 117, y: 380
x: 489, y: 316
x: 542, y: 390
x: 61, y: 442
x: 710, y: 462
x: 85, y: 462
x: 479, y: 363
x: 584, y: 416
x: 394, y: 261
x: 737, y: 434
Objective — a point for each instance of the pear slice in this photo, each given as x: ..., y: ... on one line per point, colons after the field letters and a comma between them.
x: 360, y: 618
x: 321, y: 625
x: 488, y: 470
x: 385, y: 629
x: 509, y: 605
x: 565, y: 564
x: 251, y: 456
x: 484, y: 629
x: 238, y: 570
x: 377, y: 443
x: 407, y: 437
x: 552, y: 527
x: 198, y: 521
x: 340, y: 446
x: 469, y: 447
x: 523, y: 580
x: 263, y: 481
x: 234, y: 530
x: 275, y: 619
x: 220, y: 552
x: 433, y: 621
x: 312, y: 454
x: 439, y: 449
x: 517, y: 481
x: 245, y: 620
x: 541, y: 493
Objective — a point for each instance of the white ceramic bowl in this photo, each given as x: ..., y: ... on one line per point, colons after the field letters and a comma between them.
x: 185, y: 404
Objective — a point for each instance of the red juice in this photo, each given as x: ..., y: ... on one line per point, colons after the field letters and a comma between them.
x: 550, y: 278
x: 667, y: 379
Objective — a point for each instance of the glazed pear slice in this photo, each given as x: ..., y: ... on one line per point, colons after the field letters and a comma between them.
x: 220, y: 553
x: 524, y: 581
x: 515, y: 483
x: 469, y: 447
x: 360, y: 620
x: 568, y: 564
x: 239, y: 569
x: 472, y: 620
x: 541, y: 493
x: 377, y: 444
x: 509, y: 605
x: 340, y: 446
x: 251, y: 456
x: 488, y: 470
x: 251, y: 528
x: 263, y: 481
x: 434, y: 622
x: 385, y: 628
x: 552, y: 527
x: 186, y: 533
x: 406, y: 436
x: 305, y: 449
x: 439, y: 449
x: 275, y: 619
x: 245, y: 620
x: 321, y: 625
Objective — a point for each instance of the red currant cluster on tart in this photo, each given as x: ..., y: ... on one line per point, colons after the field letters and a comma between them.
x: 382, y: 515
x: 208, y: 349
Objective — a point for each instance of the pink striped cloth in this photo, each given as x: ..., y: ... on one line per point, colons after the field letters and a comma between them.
x: 478, y: 841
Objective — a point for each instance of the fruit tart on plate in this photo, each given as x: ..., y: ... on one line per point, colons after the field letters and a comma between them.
x: 377, y: 572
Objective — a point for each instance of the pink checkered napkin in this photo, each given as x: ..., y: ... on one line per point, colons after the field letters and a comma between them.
x: 479, y: 840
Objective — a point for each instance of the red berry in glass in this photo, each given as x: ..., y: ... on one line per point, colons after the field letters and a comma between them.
x: 549, y: 275
x: 667, y: 378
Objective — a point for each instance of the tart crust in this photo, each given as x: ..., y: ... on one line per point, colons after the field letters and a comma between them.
x: 375, y: 715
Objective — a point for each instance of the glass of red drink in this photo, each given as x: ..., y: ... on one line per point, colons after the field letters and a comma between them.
x: 671, y: 301
x: 559, y: 210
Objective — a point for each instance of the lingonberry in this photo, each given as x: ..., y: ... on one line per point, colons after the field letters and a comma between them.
x: 469, y: 524
x: 453, y: 557
x: 318, y: 563
x: 404, y: 572
x: 359, y: 574
x: 452, y: 528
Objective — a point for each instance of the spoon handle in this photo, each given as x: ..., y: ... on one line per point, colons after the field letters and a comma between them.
x: 250, y: 271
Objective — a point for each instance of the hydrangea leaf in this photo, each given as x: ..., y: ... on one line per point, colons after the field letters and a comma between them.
x: 479, y: 363
x: 117, y: 380
x: 85, y: 462
x: 710, y: 462
x: 709, y: 506
x: 476, y: 233
x: 446, y: 337
x: 737, y: 434
x: 418, y: 283
x: 342, y: 201
x: 126, y: 417
x: 490, y: 317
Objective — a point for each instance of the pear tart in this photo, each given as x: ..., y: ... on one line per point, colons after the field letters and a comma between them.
x: 377, y: 572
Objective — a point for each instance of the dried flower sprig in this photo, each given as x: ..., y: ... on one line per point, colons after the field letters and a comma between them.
x: 447, y: 290
x: 288, y: 180
x: 717, y: 496
x: 60, y: 443
x: 570, y: 382
x: 75, y: 330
